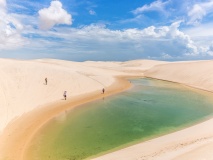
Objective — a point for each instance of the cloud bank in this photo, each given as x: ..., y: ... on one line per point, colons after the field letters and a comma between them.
x: 96, y: 42
x: 53, y: 15
x: 92, y: 41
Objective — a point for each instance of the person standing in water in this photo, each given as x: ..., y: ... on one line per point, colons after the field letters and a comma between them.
x: 103, y: 90
x: 65, y: 95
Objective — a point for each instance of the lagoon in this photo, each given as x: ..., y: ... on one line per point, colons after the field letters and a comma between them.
x: 149, y: 109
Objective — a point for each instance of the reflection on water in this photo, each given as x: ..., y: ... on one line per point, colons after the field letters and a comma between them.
x: 61, y: 117
x: 151, y: 108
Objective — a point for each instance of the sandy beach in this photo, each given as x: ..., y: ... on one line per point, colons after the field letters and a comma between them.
x: 27, y: 103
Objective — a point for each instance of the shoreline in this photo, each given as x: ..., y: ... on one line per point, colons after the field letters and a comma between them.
x: 18, y: 140
x: 194, y: 142
x: 38, y: 106
x: 183, y: 84
x: 180, y: 145
x: 194, y: 89
x: 40, y: 118
x: 173, y: 146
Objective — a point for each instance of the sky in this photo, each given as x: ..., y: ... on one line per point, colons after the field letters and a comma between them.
x: 106, y: 30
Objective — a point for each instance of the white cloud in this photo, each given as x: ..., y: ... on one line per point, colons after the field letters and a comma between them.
x: 210, y: 49
x: 53, y: 15
x: 10, y: 29
x: 2, y: 4
x: 199, y: 11
x: 203, y: 36
x: 139, y: 19
x: 154, y: 6
x: 92, y: 12
x: 199, y: 31
x: 97, y: 41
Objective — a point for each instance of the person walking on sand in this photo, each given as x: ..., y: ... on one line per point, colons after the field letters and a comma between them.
x: 103, y: 90
x: 46, y: 81
x: 65, y: 95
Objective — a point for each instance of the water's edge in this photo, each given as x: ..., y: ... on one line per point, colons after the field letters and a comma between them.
x: 146, y: 101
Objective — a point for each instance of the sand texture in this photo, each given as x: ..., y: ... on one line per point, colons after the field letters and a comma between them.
x: 196, y: 74
x: 27, y: 103
x: 195, y: 142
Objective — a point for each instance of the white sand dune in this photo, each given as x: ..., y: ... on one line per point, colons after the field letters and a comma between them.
x: 193, y: 143
x: 22, y: 83
x: 196, y: 74
x: 23, y: 91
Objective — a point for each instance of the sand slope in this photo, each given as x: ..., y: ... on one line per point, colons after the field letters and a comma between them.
x: 196, y: 74
x: 194, y: 143
x: 22, y: 90
x: 22, y: 85
x: 26, y: 103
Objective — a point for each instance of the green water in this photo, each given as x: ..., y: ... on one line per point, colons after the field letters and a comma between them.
x: 151, y: 108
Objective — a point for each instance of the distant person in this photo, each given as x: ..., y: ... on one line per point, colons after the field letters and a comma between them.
x: 46, y: 81
x: 65, y: 95
x: 103, y: 90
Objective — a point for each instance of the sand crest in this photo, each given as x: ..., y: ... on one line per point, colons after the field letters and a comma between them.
x: 192, y: 143
x: 27, y: 103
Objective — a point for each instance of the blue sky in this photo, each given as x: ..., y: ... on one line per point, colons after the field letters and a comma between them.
x: 106, y: 30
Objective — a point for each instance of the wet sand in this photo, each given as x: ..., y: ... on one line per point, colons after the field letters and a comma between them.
x: 18, y: 134
x: 191, y: 143
x: 28, y: 105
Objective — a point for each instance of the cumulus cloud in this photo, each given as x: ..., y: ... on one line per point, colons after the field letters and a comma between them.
x: 154, y: 6
x: 10, y: 29
x: 96, y: 42
x: 53, y: 15
x: 209, y: 49
x: 199, y: 11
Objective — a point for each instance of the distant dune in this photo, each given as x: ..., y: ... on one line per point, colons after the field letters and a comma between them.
x: 193, y: 143
x: 196, y: 74
x: 26, y: 102
x: 22, y: 83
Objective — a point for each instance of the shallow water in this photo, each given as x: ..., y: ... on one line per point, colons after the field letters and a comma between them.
x: 150, y: 109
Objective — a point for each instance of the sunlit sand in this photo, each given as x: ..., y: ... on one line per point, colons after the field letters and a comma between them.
x: 27, y: 102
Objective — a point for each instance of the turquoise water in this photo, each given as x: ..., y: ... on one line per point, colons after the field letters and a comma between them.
x: 150, y: 109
